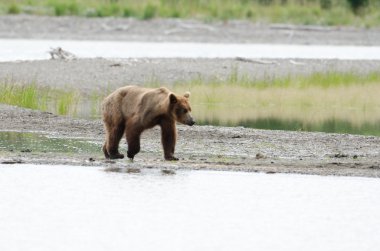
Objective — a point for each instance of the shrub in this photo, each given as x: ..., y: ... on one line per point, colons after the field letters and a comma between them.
x: 150, y: 12
x: 356, y: 5
x: 127, y: 12
x: 14, y: 9
x: 325, y: 4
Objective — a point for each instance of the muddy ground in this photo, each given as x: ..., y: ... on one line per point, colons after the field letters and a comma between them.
x: 199, y: 147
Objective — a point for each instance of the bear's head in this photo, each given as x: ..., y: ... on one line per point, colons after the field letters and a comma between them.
x: 181, y: 109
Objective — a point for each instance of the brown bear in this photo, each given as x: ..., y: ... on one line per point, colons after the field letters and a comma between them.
x: 133, y: 109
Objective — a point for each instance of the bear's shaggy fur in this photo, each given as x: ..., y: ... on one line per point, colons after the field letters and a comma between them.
x: 133, y: 109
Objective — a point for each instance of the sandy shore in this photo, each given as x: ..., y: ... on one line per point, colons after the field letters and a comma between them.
x: 199, y: 147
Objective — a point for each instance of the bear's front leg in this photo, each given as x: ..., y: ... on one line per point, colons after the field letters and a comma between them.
x: 168, y: 139
x: 133, y: 147
x: 133, y: 140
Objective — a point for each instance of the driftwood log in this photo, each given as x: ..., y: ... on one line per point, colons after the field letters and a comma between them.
x: 59, y: 53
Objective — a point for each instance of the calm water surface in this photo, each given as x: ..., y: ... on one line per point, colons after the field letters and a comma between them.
x: 85, y: 208
x: 28, y: 49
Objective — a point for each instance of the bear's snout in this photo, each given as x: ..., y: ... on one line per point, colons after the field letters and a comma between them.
x: 191, y: 122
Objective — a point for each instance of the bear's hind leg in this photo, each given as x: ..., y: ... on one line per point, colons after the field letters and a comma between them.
x: 111, y: 147
x: 105, y: 151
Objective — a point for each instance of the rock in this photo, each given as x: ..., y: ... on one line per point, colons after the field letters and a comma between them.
x: 260, y: 156
x: 113, y: 169
x: 340, y: 155
x: 167, y: 172
x: 133, y: 170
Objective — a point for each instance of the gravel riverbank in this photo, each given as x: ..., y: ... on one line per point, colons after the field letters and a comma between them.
x: 205, y: 147
x: 199, y: 147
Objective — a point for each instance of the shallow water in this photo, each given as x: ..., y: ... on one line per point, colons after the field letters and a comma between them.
x: 85, y: 208
x: 26, y: 49
x: 35, y: 142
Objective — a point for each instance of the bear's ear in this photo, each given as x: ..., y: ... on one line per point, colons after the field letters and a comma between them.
x: 173, y: 99
x: 187, y: 95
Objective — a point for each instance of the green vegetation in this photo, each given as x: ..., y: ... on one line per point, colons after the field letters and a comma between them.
x: 66, y: 102
x: 323, y: 12
x: 14, y: 9
x: 329, y: 102
x: 39, y: 98
x: 332, y: 102
x: 357, y: 5
x: 24, y: 96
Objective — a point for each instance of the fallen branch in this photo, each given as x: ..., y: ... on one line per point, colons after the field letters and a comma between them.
x: 255, y: 61
x: 302, y: 27
x: 296, y: 63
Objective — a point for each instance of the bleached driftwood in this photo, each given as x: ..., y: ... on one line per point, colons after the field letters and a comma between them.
x: 296, y: 63
x: 255, y: 61
x: 59, y: 53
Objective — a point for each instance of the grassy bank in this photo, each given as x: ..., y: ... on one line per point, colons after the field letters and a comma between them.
x: 36, y: 97
x: 322, y: 12
x: 331, y: 102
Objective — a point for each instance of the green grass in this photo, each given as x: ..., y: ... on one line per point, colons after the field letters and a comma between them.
x: 66, y: 102
x: 39, y: 98
x: 323, y: 12
x: 20, y: 95
x: 296, y: 102
x: 329, y: 102
x: 65, y: 9
x: 14, y: 9
x: 318, y: 79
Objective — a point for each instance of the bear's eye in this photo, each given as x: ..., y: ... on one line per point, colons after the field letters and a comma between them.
x: 184, y: 110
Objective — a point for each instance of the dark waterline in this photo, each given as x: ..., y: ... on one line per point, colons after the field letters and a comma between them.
x: 328, y: 126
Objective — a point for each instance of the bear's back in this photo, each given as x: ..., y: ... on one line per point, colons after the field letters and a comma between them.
x: 143, y: 102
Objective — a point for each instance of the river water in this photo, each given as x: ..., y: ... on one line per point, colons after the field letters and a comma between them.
x: 25, y: 49
x: 86, y: 208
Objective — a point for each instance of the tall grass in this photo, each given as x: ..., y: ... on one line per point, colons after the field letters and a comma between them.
x: 13, y: 9
x: 325, y: 12
x: 39, y: 98
x: 67, y: 102
x: 330, y: 102
x: 318, y: 79
x: 313, y: 99
x: 21, y: 95
x: 232, y: 104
